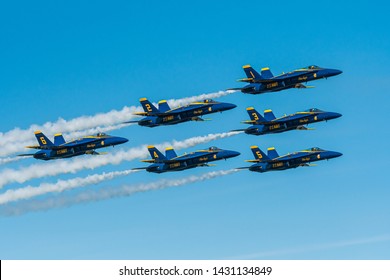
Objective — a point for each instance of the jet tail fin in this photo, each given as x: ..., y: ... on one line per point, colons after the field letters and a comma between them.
x: 255, y: 116
x: 148, y: 106
x: 156, y: 154
x: 251, y: 74
x: 269, y: 115
x: 58, y: 139
x: 272, y: 153
x: 259, y: 154
x: 170, y: 153
x: 42, y: 139
x: 163, y: 106
x: 266, y: 73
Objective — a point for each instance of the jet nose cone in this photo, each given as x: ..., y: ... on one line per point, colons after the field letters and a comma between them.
x: 334, y: 72
x: 121, y: 140
x: 337, y: 154
x: 229, y: 106
x: 334, y: 154
x: 233, y: 154
x: 332, y: 115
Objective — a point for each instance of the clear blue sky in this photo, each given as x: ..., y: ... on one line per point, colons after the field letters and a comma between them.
x: 74, y: 58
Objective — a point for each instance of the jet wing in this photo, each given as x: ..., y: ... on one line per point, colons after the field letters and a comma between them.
x: 308, y: 164
x: 94, y: 153
x: 199, y: 119
x: 302, y: 127
x: 302, y: 86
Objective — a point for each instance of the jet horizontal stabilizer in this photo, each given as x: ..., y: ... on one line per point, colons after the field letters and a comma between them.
x: 148, y: 160
x: 44, y: 147
x: 246, y: 80
x: 141, y: 114
x: 161, y: 161
x: 37, y: 147
x: 153, y: 114
x: 250, y: 122
x: 259, y: 160
x: 252, y: 160
x: 257, y: 122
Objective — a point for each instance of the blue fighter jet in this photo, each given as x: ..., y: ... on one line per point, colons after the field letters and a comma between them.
x: 81, y: 146
x: 267, y: 82
x: 172, y: 162
x: 270, y: 124
x: 272, y: 161
x: 164, y: 115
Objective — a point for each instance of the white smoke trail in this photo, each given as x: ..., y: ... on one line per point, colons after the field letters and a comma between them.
x: 9, y: 160
x: 183, y: 101
x: 105, y: 193
x: 40, y: 170
x: 15, y: 139
x: 60, y: 186
x: 77, y: 124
